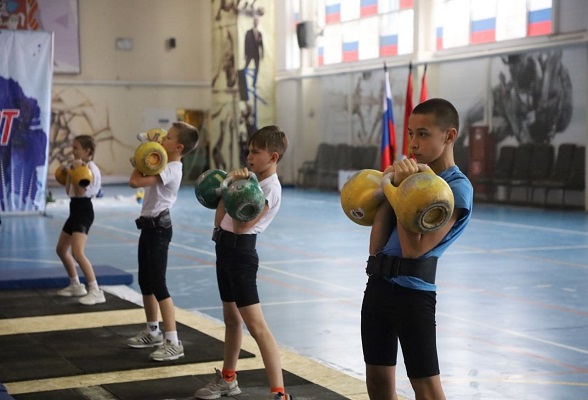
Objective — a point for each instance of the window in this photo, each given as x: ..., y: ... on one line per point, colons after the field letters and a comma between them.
x: 469, y: 22
x: 357, y: 30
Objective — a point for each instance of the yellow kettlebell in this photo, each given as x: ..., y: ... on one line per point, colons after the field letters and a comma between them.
x: 423, y: 202
x: 150, y: 158
x: 61, y: 175
x: 361, y: 195
x: 80, y: 173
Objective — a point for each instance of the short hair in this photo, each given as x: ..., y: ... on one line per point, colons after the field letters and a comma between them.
x: 87, y: 142
x: 271, y: 138
x: 446, y: 115
x: 187, y: 135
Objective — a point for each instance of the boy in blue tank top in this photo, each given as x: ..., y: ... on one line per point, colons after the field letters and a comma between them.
x: 400, y: 306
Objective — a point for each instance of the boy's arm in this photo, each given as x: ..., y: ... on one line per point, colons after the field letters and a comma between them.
x: 220, y: 213
x: 415, y: 245
x: 384, y: 222
x: 138, y: 180
x: 242, y: 227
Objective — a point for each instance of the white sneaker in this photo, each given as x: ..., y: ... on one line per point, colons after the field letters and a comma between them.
x: 73, y: 291
x: 168, y: 351
x: 93, y: 297
x: 144, y: 339
x: 217, y: 388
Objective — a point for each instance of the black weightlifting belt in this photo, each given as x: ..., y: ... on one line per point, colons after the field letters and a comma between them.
x: 163, y: 220
x: 229, y: 239
x: 386, y: 266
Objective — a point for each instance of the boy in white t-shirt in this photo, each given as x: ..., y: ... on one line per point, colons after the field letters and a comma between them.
x: 156, y: 232
x: 236, y: 270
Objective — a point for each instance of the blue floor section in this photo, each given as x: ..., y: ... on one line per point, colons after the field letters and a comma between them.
x: 4, y: 394
x: 45, y: 277
x: 512, y: 311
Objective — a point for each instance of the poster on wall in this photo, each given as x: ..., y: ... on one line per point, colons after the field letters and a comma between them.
x: 243, y: 78
x: 57, y: 16
x: 25, y: 111
x: 539, y: 97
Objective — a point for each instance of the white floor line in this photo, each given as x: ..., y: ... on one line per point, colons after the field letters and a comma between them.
x: 514, y: 333
x: 35, y: 260
x: 532, y: 227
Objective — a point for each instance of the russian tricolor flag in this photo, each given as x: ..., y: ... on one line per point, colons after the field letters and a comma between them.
x: 439, y: 37
x: 539, y: 18
x: 321, y: 55
x: 388, y: 148
x: 388, y: 45
x: 369, y: 7
x: 350, y: 51
x: 333, y: 13
x: 483, y: 31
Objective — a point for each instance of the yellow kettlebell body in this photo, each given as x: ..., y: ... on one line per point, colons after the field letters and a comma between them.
x: 150, y: 158
x: 361, y: 195
x: 423, y: 202
x: 80, y: 173
x: 61, y: 175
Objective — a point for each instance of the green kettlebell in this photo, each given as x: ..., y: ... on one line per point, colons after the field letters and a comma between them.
x: 243, y: 199
x: 208, y: 187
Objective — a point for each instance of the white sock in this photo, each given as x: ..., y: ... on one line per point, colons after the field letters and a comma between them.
x: 93, y: 286
x: 172, y: 337
x: 153, y: 328
x: 75, y: 281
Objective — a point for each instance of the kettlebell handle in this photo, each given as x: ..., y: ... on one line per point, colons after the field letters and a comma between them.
x: 389, y: 177
x: 229, y: 179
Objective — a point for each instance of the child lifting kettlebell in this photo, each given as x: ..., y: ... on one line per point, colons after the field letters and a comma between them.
x: 82, y: 182
x: 237, y: 261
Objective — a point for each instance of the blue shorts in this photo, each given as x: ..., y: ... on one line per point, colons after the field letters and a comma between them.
x: 391, y: 313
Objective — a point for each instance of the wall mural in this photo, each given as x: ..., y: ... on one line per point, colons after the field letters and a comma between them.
x: 73, y: 114
x: 532, y: 99
x: 242, y: 82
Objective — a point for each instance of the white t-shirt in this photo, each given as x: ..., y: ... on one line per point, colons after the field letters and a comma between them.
x: 272, y: 190
x: 163, y: 195
x: 93, y: 188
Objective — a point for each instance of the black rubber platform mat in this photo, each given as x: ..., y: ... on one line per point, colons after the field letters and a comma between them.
x: 87, y: 351
x: 253, y: 385
x: 41, y: 302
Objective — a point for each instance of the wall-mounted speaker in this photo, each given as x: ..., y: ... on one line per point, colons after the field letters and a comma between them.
x: 305, y: 34
x: 242, y: 79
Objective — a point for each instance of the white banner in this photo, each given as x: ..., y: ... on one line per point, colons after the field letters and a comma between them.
x: 26, y: 72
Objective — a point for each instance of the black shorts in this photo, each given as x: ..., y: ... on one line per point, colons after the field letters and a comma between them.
x: 81, y: 216
x: 152, y: 254
x: 391, y: 313
x: 236, y: 275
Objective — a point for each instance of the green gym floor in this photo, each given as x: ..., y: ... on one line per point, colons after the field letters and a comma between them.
x: 512, y: 310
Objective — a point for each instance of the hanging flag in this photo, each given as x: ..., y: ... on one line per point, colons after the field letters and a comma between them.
x: 407, y: 112
x: 424, y: 86
x: 388, y: 149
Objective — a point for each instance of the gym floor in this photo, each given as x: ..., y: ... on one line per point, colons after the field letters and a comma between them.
x: 512, y: 310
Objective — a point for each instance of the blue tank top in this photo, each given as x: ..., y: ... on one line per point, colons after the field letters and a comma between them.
x: 463, y: 194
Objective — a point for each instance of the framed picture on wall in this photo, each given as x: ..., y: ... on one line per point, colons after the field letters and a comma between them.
x: 61, y: 18
x: 57, y: 16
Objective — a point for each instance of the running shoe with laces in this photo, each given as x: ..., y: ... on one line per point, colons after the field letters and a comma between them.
x: 168, y: 351
x: 218, y: 387
x: 280, y: 396
x: 93, y: 297
x: 144, y: 339
x: 73, y: 291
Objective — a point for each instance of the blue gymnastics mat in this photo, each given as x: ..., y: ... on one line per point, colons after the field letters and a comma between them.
x: 56, y: 277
